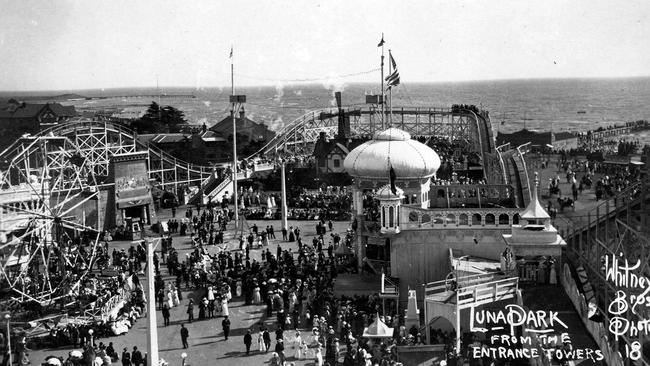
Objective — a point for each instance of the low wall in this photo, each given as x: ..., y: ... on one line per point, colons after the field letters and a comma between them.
x: 597, y: 330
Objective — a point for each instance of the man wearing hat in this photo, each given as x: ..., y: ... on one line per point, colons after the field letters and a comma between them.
x: 190, y: 311
x: 248, y: 340
x: 279, y: 349
x: 225, y: 324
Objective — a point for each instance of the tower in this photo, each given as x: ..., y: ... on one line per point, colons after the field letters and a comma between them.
x: 390, y: 209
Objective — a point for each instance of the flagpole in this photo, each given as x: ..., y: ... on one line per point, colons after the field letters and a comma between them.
x: 383, y: 92
x: 234, y: 137
x: 390, y: 95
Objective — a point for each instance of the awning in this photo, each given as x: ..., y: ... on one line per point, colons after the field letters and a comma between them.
x: 133, y: 197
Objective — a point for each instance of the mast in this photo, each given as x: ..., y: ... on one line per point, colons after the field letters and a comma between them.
x: 390, y: 95
x: 234, y: 138
x: 383, y: 92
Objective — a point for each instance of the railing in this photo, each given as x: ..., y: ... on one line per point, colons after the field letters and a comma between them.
x: 486, y: 293
x: 604, y: 211
x: 437, y: 287
x: 379, y: 266
x: 474, y: 194
x: 415, y: 218
x: 389, y: 286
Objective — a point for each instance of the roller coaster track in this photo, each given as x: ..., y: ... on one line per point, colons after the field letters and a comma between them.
x: 299, y: 136
x: 98, y: 141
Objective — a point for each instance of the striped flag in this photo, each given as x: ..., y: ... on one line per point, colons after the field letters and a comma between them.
x: 392, y: 79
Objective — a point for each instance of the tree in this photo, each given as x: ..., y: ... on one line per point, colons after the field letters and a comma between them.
x: 159, y: 119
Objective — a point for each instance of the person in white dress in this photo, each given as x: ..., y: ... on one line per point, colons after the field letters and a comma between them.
x: 260, y: 341
x: 224, y: 307
x: 177, y: 300
x: 238, y: 288
x: 170, y: 299
x: 257, y: 298
x: 210, y: 293
x: 297, y: 344
x: 319, y: 357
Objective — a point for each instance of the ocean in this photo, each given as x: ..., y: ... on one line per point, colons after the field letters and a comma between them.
x: 536, y: 104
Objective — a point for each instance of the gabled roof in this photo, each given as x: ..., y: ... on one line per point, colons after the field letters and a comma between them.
x: 31, y: 110
x: 241, y: 123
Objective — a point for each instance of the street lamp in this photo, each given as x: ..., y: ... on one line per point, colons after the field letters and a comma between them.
x: 7, y: 318
x: 183, y: 356
x: 91, y: 332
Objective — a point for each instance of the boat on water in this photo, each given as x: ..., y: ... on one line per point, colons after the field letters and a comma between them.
x: 582, y: 112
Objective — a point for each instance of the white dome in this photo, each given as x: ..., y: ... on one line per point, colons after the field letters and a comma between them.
x: 409, y: 158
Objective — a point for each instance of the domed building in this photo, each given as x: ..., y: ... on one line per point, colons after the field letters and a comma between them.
x: 412, y: 162
x: 416, y: 229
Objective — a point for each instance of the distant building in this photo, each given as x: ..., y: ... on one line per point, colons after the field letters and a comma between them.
x: 204, y: 147
x: 19, y: 118
x: 33, y: 117
x: 253, y: 131
x: 553, y: 140
x: 329, y: 155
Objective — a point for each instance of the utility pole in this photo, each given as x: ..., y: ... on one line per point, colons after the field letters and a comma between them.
x: 152, y: 340
x: 237, y: 102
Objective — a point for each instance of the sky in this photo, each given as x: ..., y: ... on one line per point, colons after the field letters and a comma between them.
x: 84, y: 44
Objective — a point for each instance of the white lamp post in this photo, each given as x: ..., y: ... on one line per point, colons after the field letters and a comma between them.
x: 7, y: 318
x: 183, y: 356
x: 283, y: 181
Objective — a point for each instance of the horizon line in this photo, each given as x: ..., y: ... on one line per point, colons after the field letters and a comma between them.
x: 289, y: 84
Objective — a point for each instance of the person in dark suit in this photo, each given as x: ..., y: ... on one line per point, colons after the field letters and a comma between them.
x: 248, y: 340
x: 165, y: 313
x: 185, y: 334
x: 126, y: 357
x: 225, y: 324
x: 136, y: 357
x: 190, y: 311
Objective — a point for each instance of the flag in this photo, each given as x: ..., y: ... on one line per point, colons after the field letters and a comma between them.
x: 393, y: 177
x: 230, y: 51
x: 381, y: 43
x: 392, y: 79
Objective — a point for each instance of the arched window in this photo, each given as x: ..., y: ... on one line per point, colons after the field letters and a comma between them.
x: 383, y: 216
x: 476, y: 219
x: 515, y: 219
x: 463, y: 219
x: 489, y: 219
x: 426, y: 218
x: 504, y: 219
x: 391, y: 216
x: 451, y: 219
